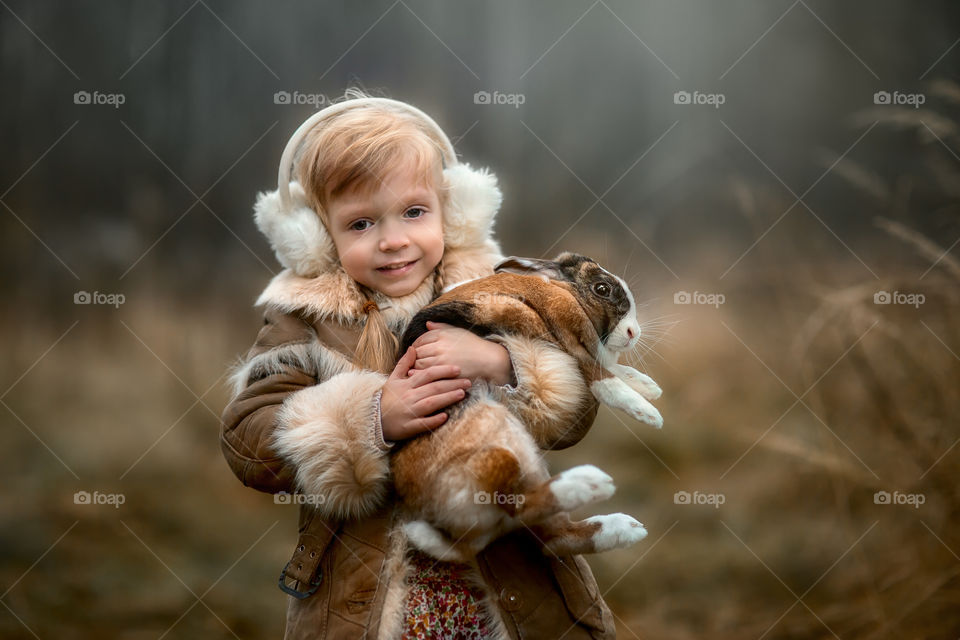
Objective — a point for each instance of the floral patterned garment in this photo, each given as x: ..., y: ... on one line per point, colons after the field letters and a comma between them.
x: 442, y: 603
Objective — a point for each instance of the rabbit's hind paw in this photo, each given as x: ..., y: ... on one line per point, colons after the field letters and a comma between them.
x: 581, y: 485
x: 617, y: 530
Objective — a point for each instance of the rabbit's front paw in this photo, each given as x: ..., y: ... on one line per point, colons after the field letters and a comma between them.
x: 645, y: 412
x: 615, y: 393
x: 639, y: 382
x: 617, y: 530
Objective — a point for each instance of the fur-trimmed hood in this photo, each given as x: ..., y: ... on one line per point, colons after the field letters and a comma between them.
x: 314, y: 280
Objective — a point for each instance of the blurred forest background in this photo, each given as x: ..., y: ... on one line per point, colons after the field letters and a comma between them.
x: 805, y: 201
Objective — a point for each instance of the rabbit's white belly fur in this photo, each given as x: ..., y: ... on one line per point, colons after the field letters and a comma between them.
x: 477, y: 424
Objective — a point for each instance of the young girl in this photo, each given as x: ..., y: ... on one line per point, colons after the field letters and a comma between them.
x: 381, y: 219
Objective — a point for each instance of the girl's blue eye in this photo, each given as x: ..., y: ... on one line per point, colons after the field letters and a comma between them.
x: 419, y: 213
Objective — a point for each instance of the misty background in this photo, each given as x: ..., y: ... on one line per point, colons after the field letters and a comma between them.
x: 778, y: 182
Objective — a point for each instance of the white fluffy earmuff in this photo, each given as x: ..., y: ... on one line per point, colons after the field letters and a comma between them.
x: 299, y: 238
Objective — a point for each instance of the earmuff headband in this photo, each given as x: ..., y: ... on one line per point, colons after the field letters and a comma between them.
x: 302, y: 243
x: 286, y: 160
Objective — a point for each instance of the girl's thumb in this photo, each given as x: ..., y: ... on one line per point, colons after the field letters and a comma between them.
x: 406, y: 360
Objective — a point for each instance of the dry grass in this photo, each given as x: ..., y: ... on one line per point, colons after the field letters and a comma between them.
x: 797, y: 400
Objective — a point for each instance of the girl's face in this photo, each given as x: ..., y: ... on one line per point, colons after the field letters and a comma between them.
x: 398, y: 223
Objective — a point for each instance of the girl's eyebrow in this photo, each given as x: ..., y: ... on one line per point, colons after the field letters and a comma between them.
x: 361, y: 207
x: 420, y: 193
x: 353, y: 212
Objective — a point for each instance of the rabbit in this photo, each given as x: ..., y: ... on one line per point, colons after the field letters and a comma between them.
x: 482, y: 475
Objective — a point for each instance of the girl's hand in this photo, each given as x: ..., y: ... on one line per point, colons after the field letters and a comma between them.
x: 444, y: 344
x: 411, y: 395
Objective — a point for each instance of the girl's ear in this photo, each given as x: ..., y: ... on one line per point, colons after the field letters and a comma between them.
x: 530, y: 267
x: 473, y: 199
x: 296, y: 234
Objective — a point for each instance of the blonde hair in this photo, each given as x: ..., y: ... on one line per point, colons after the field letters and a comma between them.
x: 354, y: 152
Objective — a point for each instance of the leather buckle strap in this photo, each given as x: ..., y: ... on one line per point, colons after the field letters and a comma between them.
x: 299, y: 595
x: 304, y: 566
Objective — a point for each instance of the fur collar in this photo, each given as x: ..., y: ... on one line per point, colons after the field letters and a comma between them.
x: 335, y: 295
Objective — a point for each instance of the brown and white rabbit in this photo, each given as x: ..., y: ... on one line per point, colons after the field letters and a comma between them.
x: 482, y: 475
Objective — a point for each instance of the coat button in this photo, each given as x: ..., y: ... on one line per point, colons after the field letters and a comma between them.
x: 511, y: 599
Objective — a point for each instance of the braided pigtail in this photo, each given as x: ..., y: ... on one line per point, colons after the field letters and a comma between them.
x: 377, y: 347
x: 439, y: 280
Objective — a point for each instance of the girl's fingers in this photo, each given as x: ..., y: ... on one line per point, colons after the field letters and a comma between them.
x: 424, y: 338
x: 422, y: 401
x: 425, y: 363
x: 427, y: 424
x: 429, y: 349
x: 404, y: 364
x: 441, y: 401
x: 442, y: 386
x: 437, y: 372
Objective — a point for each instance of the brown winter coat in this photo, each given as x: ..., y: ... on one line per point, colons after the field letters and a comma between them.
x: 299, y: 379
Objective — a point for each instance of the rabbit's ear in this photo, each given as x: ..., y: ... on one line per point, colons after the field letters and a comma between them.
x: 530, y: 267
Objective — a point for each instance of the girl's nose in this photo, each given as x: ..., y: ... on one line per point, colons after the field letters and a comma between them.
x: 393, y: 240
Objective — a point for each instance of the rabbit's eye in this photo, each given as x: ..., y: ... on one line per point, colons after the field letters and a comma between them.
x: 601, y: 289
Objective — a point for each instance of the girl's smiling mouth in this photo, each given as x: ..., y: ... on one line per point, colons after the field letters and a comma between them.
x: 399, y: 270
